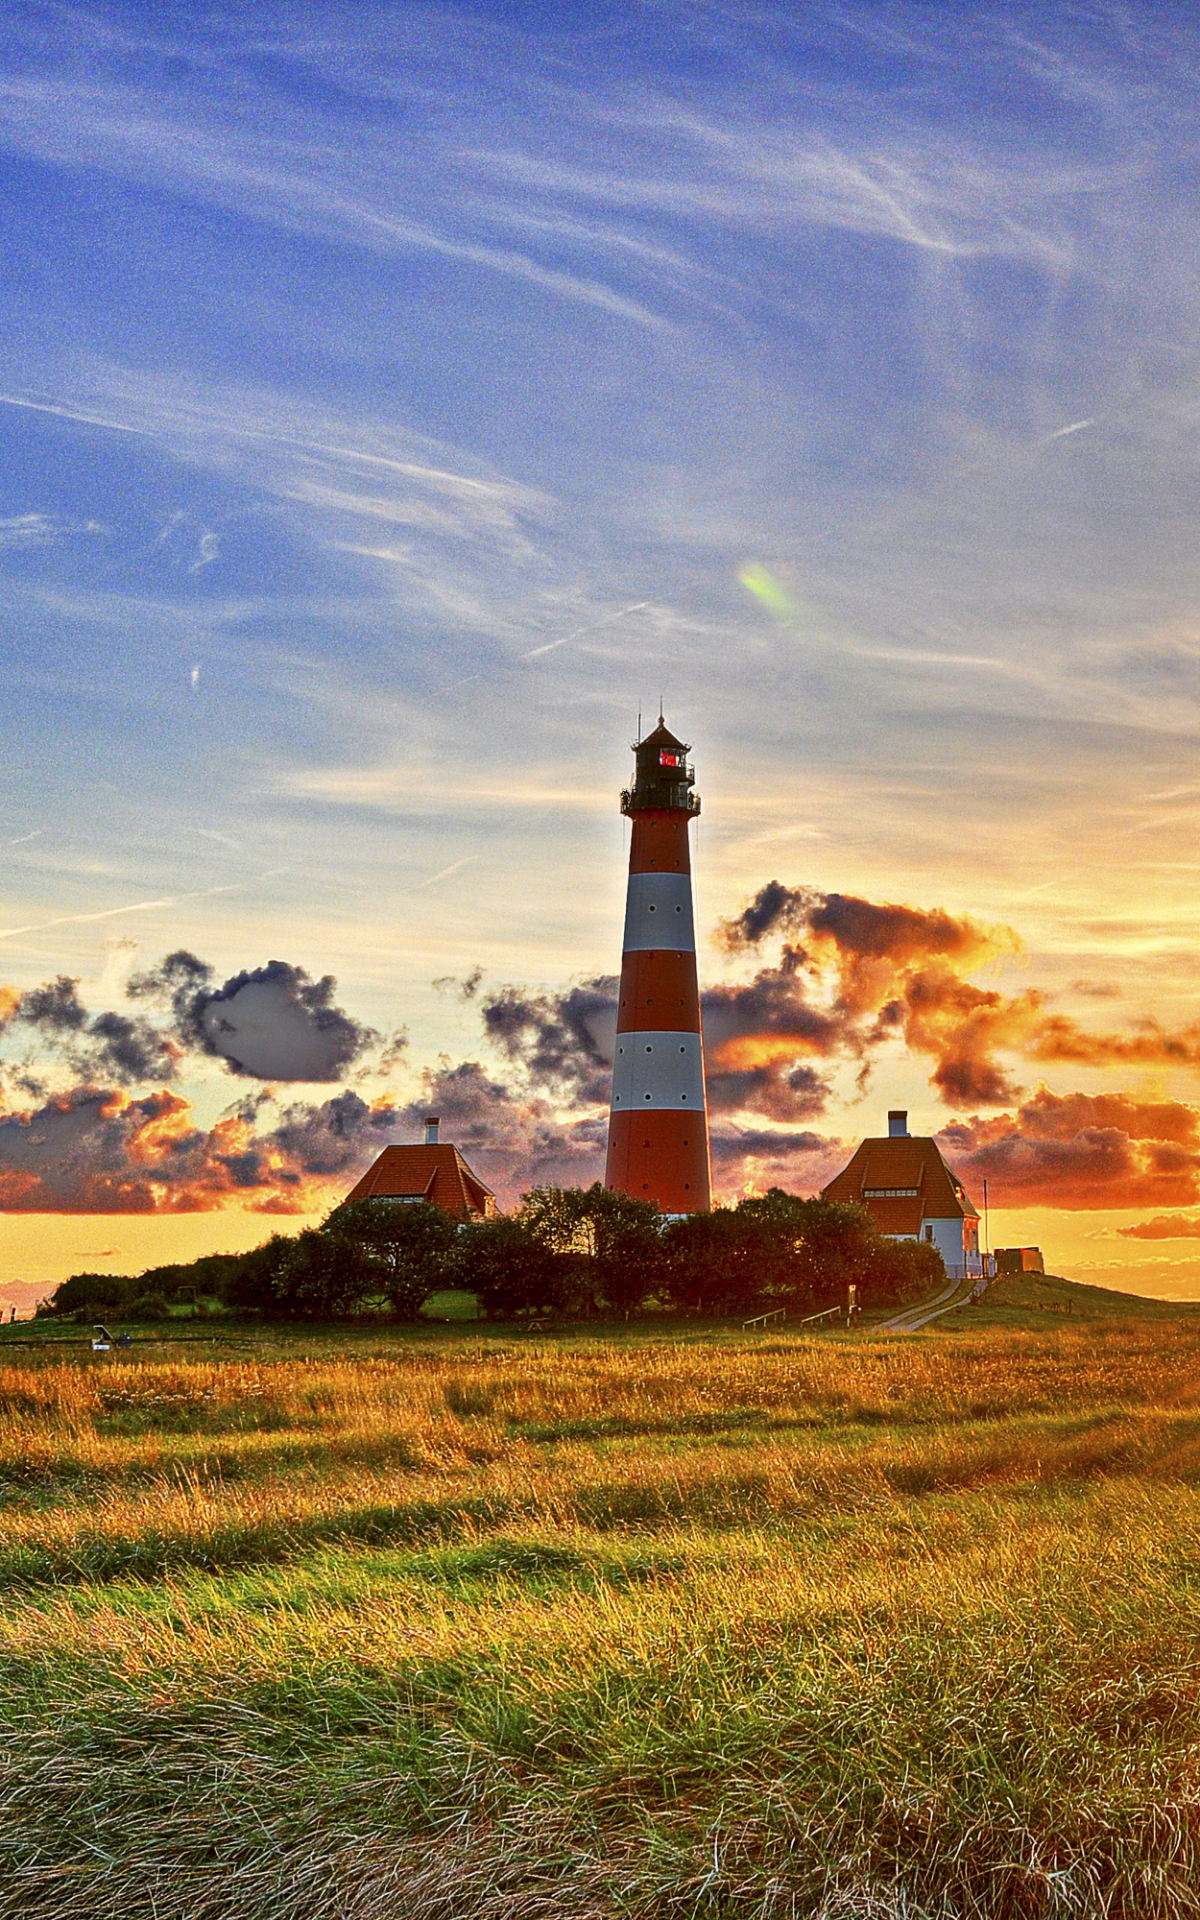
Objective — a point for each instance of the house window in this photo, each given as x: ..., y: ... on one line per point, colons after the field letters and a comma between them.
x: 929, y: 1233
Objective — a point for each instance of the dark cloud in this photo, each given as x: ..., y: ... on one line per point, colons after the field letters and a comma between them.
x: 774, y: 909
x: 514, y: 1140
x: 269, y: 1023
x: 86, y: 1151
x: 109, y: 1047
x: 466, y: 988
x: 132, y: 1051
x: 56, y: 1007
x: 754, y: 1037
x: 277, y: 1023
x: 95, y: 1150
x: 338, y: 1137
x: 563, y: 1041
x: 777, y: 1091
x: 180, y: 978
x: 751, y: 1159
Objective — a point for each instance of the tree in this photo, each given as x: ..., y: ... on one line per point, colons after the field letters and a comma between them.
x: 407, y: 1250
x: 716, y: 1262
x: 902, y: 1270
x: 839, y: 1247
x: 255, y: 1285
x: 619, y: 1237
x: 322, y: 1276
x: 87, y: 1295
x: 509, y: 1266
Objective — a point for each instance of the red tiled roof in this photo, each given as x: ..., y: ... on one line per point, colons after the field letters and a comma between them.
x: 897, y: 1216
x: 438, y: 1173
x: 905, y: 1161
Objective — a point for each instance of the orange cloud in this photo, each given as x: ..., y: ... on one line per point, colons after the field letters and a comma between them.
x: 875, y: 972
x: 1082, y: 1152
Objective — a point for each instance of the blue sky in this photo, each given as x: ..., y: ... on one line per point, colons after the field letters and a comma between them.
x: 396, y: 401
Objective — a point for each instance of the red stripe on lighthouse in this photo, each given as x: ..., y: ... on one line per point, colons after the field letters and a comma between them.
x: 658, y: 989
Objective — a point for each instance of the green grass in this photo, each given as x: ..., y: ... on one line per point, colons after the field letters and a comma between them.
x: 470, y: 1623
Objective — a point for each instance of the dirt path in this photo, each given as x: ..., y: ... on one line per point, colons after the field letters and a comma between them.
x: 914, y: 1317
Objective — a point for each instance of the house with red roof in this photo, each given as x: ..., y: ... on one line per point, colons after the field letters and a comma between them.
x: 911, y: 1193
x: 435, y: 1171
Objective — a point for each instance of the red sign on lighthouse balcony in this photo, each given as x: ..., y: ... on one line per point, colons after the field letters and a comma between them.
x: 658, y: 1126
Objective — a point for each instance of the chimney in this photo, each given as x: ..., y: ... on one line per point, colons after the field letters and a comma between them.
x: 897, y: 1124
x: 431, y: 1130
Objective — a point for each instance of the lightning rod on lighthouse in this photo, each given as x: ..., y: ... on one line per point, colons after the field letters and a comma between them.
x: 658, y: 1125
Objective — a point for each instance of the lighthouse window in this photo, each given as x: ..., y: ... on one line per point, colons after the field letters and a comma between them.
x: 647, y: 1096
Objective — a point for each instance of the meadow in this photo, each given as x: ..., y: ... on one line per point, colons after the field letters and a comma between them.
x: 685, y: 1621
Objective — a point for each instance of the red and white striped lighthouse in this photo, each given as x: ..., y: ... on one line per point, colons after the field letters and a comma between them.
x: 658, y: 1126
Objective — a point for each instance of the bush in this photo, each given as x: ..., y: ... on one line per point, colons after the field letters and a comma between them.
x: 407, y: 1252
x: 254, y: 1286
x: 148, y: 1306
x: 509, y: 1267
x: 614, y: 1240
x: 90, y: 1295
x: 903, y: 1270
x: 716, y: 1262
x: 321, y: 1277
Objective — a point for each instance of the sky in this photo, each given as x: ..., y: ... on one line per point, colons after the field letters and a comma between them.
x: 398, y: 403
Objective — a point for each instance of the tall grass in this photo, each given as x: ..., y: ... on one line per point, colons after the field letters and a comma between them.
x: 834, y: 1628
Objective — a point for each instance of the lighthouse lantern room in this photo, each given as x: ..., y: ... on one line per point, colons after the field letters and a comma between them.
x: 658, y: 1126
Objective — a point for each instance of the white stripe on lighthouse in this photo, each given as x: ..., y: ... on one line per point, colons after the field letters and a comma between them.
x: 655, y: 1070
x: 658, y: 913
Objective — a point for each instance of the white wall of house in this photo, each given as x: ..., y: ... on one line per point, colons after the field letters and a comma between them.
x: 949, y: 1237
x: 962, y: 1262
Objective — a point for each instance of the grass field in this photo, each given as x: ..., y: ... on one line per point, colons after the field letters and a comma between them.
x: 469, y: 1624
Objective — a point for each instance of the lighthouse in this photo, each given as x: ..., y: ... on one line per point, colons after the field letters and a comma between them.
x: 658, y: 1125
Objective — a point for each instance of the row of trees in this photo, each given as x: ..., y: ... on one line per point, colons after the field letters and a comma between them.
x: 580, y: 1252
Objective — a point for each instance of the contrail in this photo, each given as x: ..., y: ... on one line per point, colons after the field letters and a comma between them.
x: 67, y: 413
x: 1060, y: 433
x: 447, y: 871
x: 110, y: 913
x: 593, y: 627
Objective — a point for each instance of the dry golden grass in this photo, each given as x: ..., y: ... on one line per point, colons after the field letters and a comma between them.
x: 672, y: 1627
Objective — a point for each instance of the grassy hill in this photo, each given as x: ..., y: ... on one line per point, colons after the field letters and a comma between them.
x: 1045, y: 1300
x: 468, y: 1623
